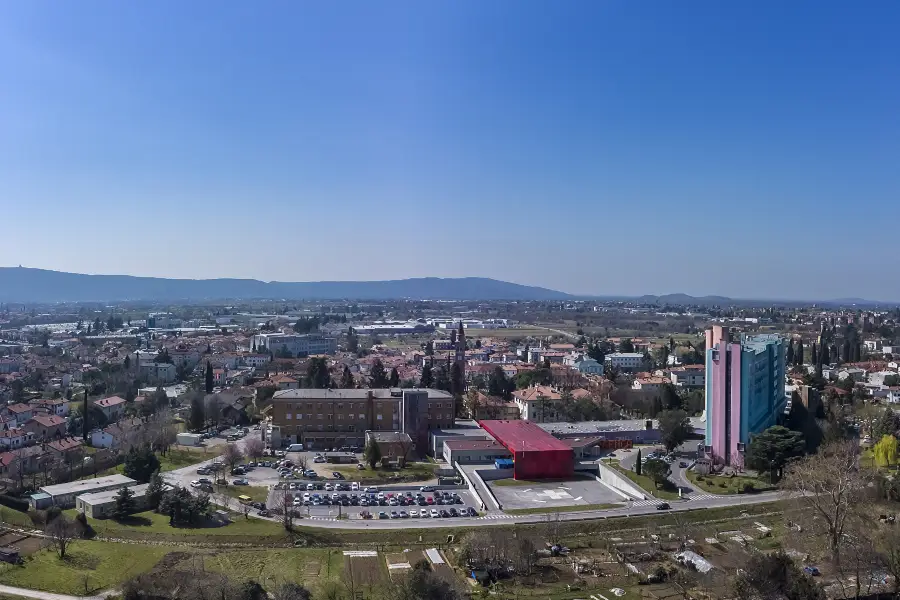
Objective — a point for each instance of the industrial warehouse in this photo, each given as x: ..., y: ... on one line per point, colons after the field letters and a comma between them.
x: 535, y: 453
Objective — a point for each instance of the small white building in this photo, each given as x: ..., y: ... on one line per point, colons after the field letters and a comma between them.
x: 625, y: 361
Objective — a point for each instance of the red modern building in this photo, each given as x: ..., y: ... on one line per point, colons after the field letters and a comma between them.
x: 536, y: 453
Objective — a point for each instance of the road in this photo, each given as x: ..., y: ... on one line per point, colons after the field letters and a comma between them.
x: 571, y: 336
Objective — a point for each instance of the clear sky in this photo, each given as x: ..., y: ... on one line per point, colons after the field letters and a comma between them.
x: 749, y: 149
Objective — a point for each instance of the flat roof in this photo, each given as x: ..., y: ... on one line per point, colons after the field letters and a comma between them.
x: 522, y: 436
x: 473, y: 445
x: 110, y: 495
x: 341, y: 394
x: 86, y: 485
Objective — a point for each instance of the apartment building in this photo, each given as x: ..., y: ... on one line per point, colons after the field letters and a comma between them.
x: 628, y: 362
x: 332, y: 418
x: 297, y: 345
x: 688, y: 376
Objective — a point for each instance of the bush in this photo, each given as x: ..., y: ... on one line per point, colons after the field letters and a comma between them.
x: 14, y: 503
x: 53, y: 512
x: 722, y: 484
x: 38, y: 517
x: 748, y: 487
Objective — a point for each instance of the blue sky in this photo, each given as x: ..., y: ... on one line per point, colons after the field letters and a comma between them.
x: 747, y: 149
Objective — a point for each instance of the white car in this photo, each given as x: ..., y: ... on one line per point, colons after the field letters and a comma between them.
x: 195, y: 483
x: 306, y: 496
x: 371, y: 490
x: 381, y: 495
x: 434, y: 513
x: 393, y: 502
x: 413, y: 514
x: 329, y: 487
x: 354, y: 487
x: 424, y: 513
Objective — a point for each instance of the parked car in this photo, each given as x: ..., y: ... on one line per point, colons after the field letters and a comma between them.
x: 426, y: 488
x: 195, y: 484
x: 414, y: 514
x: 264, y: 513
x: 434, y: 513
x: 683, y: 465
x: 382, y: 515
x: 471, y: 512
x: 663, y: 506
x: 336, y: 475
x: 810, y: 570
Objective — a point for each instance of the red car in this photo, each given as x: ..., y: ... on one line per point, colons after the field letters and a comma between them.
x: 429, y: 500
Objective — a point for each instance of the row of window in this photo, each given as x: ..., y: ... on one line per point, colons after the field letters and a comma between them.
x: 362, y: 405
x: 340, y: 417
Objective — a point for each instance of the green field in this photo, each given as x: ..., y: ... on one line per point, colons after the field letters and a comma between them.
x: 309, y: 567
x: 88, y: 567
x: 643, y: 482
x: 150, y: 525
x: 256, y: 492
x: 727, y: 485
x: 412, y: 472
x: 173, y: 459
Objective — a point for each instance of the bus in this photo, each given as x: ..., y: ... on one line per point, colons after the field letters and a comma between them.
x: 245, y: 499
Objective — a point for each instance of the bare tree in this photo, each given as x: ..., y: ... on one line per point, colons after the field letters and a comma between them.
x: 61, y: 531
x: 302, y: 462
x: 286, y: 504
x: 254, y: 447
x: 552, y: 527
x: 829, y: 486
x: 232, y: 456
x: 245, y: 509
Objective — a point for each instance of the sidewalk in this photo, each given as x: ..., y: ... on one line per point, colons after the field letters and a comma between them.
x: 39, y: 595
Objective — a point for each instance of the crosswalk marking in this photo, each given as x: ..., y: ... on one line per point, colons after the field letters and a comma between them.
x: 497, y: 516
x: 701, y: 496
x: 646, y: 502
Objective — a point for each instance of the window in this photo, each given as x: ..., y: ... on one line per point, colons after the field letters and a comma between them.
x: 379, y: 417
x: 319, y: 416
x: 340, y: 407
x: 309, y: 417
x: 299, y: 416
x: 361, y: 416
x: 288, y: 416
x: 340, y: 417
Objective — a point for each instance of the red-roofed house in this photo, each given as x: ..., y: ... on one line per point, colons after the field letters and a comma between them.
x: 19, y: 412
x: 14, y: 438
x: 65, y: 446
x: 46, y: 427
x: 112, y: 407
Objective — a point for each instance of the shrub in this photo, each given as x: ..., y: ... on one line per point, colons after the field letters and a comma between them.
x: 53, y: 512
x: 722, y: 484
x: 748, y: 487
x: 14, y: 503
x: 38, y: 517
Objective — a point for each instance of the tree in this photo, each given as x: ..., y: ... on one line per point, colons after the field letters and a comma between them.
x: 499, y: 385
x: 352, y: 341
x: 637, y: 462
x: 372, y: 453
x: 155, y: 490
x: 442, y: 379
x: 127, y: 362
x: 317, y: 374
x: 209, y: 378
x: 395, y: 378
x: 125, y: 505
x: 347, y: 381
x: 773, y: 448
x: 845, y: 351
x: 657, y: 470
x: 886, y: 424
x: 377, y: 375
x: 626, y: 345
x: 457, y: 383
x: 427, y: 380
x: 232, y: 456
x: 886, y: 451
x: 140, y: 463
x: 814, y: 359
x: 798, y: 355
x: 830, y: 489
x: 775, y: 577
x: 61, y: 532
x: 197, y: 414
x: 422, y: 584
x: 669, y: 397
x: 789, y: 353
x: 674, y: 428
x: 824, y: 358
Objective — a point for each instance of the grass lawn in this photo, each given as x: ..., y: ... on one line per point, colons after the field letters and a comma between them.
x: 732, y: 485
x: 412, y: 472
x: 256, y: 492
x: 644, y: 482
x: 150, y: 525
x: 562, y: 509
x: 101, y: 565
x: 309, y: 567
x: 174, y: 459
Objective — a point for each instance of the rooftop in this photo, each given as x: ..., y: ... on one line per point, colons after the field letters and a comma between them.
x: 86, y: 485
x: 473, y: 445
x: 110, y: 495
x: 521, y: 436
x: 341, y: 394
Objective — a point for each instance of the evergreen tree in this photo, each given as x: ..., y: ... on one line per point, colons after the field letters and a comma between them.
x: 347, y: 381
x: 197, y: 414
x: 127, y: 362
x: 395, y: 378
x: 885, y: 425
x: 442, y: 379
x: 823, y: 354
x: 209, y: 378
x: 140, y: 463
x: 789, y: 353
x: 457, y: 382
x: 155, y: 490
x: 125, y: 504
x: 814, y: 359
x: 429, y: 348
x: 637, y: 462
x: 427, y: 379
x: 372, y: 454
x: 377, y: 375
x: 317, y: 374
x: 499, y: 384
x: 799, y: 353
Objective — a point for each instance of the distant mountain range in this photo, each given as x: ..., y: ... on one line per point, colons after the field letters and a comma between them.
x: 18, y: 284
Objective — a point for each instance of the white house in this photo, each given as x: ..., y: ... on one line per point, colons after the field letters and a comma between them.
x: 625, y: 361
x: 112, y: 407
x: 688, y: 376
x: 589, y: 366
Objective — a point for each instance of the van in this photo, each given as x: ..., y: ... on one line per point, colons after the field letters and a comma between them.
x: 295, y: 448
x: 245, y: 499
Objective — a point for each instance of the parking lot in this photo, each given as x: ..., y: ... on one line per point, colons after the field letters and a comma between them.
x: 579, y: 491
x: 321, y: 499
